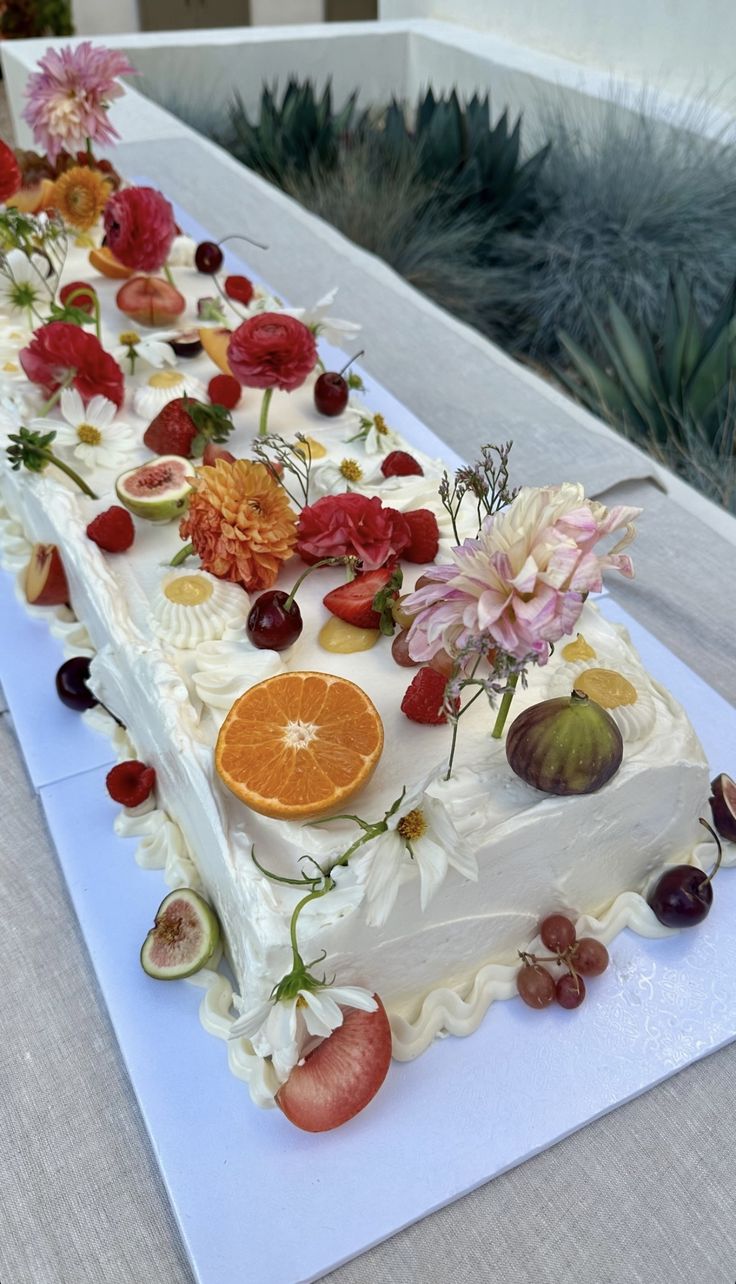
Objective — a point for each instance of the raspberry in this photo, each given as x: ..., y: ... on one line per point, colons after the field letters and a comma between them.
x: 130, y: 783
x: 423, y: 697
x: 399, y: 463
x: 112, y: 530
x: 85, y: 296
x: 224, y: 390
x: 239, y: 288
x: 425, y: 536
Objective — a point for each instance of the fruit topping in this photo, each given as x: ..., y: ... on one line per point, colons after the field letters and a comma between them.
x: 586, y: 957
x: 608, y: 688
x: 130, y: 783
x: 104, y: 261
x: 78, y: 294
x: 150, y: 301
x: 343, y: 1073
x: 332, y: 390
x: 365, y: 602
x: 400, y: 651
x: 275, y: 621
x: 188, y: 590
x: 158, y: 491
x: 557, y: 933
x: 45, y: 581
x: 723, y: 806
x: 186, y: 343
x: 310, y: 448
x: 215, y: 343
x: 297, y: 744
x: 442, y: 662
x: 72, y: 684
x: 535, y: 985
x: 568, y: 745
x: 570, y: 990
x: 212, y: 453
x: 578, y: 650
x: 683, y: 895
x: 423, y: 697
x: 590, y: 957
x: 185, y: 425
x: 208, y: 258
x: 345, y: 639
x: 425, y: 536
x: 399, y: 463
x: 240, y: 289
x: 112, y: 530
x: 184, y: 936
x: 224, y: 390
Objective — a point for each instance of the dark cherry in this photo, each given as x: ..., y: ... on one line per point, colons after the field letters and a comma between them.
x: 208, y: 257
x: 682, y: 897
x: 271, y: 624
x: 331, y: 393
x: 186, y: 343
x: 71, y: 684
x: 570, y: 991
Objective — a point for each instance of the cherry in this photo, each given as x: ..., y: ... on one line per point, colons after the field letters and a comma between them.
x: 71, y: 684
x: 208, y: 257
x: 535, y: 985
x: 682, y: 897
x: 275, y: 621
x: 557, y: 933
x: 570, y: 991
x: 331, y: 390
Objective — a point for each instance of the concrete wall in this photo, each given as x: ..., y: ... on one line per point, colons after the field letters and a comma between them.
x: 683, y: 46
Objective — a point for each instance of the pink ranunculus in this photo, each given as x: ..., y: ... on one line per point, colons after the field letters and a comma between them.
x: 523, y: 581
x: 69, y: 97
x: 139, y: 227
x: 272, y: 350
x: 60, y: 353
x: 352, y: 525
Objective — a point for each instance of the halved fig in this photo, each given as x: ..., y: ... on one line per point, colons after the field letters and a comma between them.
x: 158, y: 491
x: 45, y: 582
x: 150, y: 301
x: 186, y: 343
x: 184, y: 936
x: 723, y: 806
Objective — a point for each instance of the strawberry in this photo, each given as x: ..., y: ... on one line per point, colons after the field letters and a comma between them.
x: 365, y: 602
x: 342, y: 1075
x: 239, y: 288
x: 224, y: 390
x: 184, y: 427
x: 425, y: 536
x: 112, y: 530
x: 399, y: 463
x: 130, y: 783
x: 213, y: 452
x: 423, y: 697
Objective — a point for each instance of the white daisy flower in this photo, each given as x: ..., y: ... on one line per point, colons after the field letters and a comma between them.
x: 23, y: 288
x: 332, y: 477
x: 281, y: 1029
x: 373, y: 432
x: 333, y: 329
x: 420, y: 839
x: 90, y: 434
x: 151, y: 348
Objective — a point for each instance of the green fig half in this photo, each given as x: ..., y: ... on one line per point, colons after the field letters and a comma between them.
x: 184, y: 936
x: 159, y: 491
x: 569, y: 745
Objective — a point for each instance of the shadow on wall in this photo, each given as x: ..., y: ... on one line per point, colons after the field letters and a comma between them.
x: 171, y: 15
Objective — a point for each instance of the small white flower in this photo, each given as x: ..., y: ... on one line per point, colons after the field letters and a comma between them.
x: 23, y: 287
x: 373, y: 432
x: 90, y: 433
x: 182, y: 252
x: 332, y: 478
x: 421, y: 838
x: 281, y: 1029
x: 333, y: 329
x: 152, y: 348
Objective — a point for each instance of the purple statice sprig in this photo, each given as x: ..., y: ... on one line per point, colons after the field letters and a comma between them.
x: 500, y: 681
x: 487, y: 481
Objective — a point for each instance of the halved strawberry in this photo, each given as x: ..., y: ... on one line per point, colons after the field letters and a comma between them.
x: 336, y: 1081
x: 355, y: 602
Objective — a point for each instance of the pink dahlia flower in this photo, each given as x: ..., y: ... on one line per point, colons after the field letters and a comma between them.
x: 523, y: 581
x: 69, y: 97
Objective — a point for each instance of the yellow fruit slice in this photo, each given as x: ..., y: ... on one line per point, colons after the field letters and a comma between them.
x: 215, y: 343
x: 608, y: 688
x: 104, y: 261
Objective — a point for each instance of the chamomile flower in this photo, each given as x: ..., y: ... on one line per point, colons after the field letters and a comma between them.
x: 90, y: 433
x: 333, y: 477
x: 151, y: 348
x: 24, y: 290
x: 280, y: 1028
x: 374, y: 433
x: 333, y: 329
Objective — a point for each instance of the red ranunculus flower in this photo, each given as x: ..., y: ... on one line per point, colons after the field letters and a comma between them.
x: 352, y: 525
x: 10, y: 176
x: 58, y: 349
x: 139, y: 227
x: 272, y: 350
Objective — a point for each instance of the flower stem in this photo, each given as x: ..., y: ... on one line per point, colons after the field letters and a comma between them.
x: 263, y: 421
x: 59, y: 463
x: 90, y: 153
x: 505, y: 705
x: 67, y: 380
x: 323, y: 561
x: 184, y: 552
x: 169, y: 275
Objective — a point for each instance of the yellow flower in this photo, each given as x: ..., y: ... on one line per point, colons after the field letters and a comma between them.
x: 80, y: 196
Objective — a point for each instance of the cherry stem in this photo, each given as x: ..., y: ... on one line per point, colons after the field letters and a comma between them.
x: 238, y: 236
x: 263, y: 420
x: 719, y: 858
x: 324, y: 561
x: 350, y: 362
x: 184, y: 552
x: 503, y: 711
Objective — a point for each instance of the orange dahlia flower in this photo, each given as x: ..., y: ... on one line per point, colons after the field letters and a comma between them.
x: 80, y: 196
x: 240, y: 523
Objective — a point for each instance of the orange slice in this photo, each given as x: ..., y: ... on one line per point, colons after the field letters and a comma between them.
x: 105, y: 262
x: 299, y: 744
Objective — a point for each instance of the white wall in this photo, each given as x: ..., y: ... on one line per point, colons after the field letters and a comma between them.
x: 680, y: 45
x: 105, y: 17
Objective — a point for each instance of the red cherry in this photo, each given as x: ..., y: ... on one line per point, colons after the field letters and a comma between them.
x: 331, y: 393
x: 208, y: 257
x: 271, y: 624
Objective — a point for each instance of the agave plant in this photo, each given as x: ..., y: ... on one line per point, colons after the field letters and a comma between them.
x: 666, y: 383
x: 476, y: 165
x: 297, y: 135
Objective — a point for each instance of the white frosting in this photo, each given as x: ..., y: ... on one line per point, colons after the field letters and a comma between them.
x: 634, y: 721
x: 186, y: 625
x: 226, y: 669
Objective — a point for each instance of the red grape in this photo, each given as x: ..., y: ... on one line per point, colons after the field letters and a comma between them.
x: 570, y: 991
x: 535, y: 985
x: 442, y: 662
x: 590, y: 957
x: 557, y: 933
x: 400, y: 651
